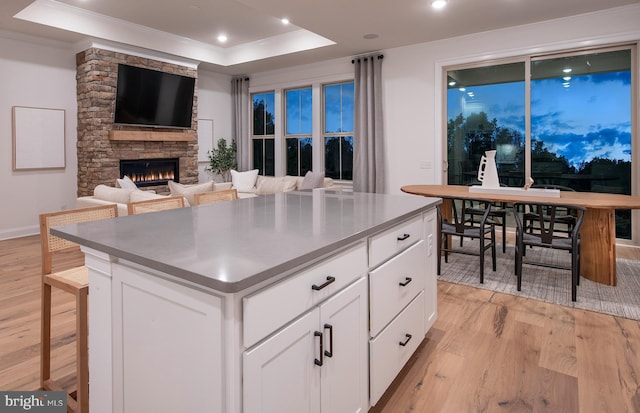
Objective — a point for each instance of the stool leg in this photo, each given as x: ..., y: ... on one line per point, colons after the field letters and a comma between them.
x: 82, y: 350
x: 45, y: 335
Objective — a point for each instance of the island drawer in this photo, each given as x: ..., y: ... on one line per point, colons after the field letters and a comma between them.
x: 391, y: 350
x: 269, y: 309
x: 394, y: 284
x: 387, y: 243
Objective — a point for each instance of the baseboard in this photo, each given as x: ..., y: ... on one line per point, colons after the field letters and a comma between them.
x: 19, y: 232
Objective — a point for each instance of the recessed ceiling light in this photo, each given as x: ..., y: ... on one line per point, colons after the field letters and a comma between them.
x: 566, y: 78
x: 285, y: 21
x: 438, y: 4
x: 452, y: 83
x: 567, y: 70
x: 222, y: 38
x: 370, y: 36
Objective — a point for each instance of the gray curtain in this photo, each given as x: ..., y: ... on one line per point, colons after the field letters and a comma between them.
x: 240, y: 123
x: 369, y: 168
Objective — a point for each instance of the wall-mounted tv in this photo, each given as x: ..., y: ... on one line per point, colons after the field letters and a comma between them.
x: 146, y: 97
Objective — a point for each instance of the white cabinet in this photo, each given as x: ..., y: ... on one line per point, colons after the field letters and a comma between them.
x: 319, y: 360
x: 402, y: 293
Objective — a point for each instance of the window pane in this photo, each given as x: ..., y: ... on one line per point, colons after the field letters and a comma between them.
x: 486, y: 111
x: 258, y: 155
x: 347, y: 107
x: 332, y: 157
x: 263, y: 113
x: 332, y: 108
x: 347, y: 157
x: 292, y: 156
x: 299, y: 111
x: 581, y: 125
x: 269, y: 157
x: 306, y: 155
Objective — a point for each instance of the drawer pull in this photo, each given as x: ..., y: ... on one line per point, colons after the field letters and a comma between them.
x: 330, y: 279
x: 316, y: 361
x: 406, y: 282
x: 329, y: 353
x: 404, y: 343
x: 403, y: 237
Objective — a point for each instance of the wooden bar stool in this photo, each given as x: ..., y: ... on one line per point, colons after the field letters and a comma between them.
x: 76, y: 282
x: 154, y: 205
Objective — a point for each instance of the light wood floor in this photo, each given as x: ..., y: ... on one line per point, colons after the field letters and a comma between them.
x: 487, y: 352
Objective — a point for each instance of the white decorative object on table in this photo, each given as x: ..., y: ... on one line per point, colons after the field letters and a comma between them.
x: 488, y: 171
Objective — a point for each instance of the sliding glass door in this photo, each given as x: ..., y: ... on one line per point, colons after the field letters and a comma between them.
x: 573, y: 132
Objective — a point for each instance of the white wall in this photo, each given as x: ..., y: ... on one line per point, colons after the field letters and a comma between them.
x: 35, y: 75
x: 214, y: 102
x: 412, y: 90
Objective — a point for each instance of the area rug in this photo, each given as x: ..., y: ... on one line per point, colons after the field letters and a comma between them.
x: 549, y: 284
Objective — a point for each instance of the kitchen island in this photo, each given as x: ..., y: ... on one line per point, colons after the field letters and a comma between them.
x: 303, y: 301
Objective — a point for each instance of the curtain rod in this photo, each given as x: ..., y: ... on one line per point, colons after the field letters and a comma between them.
x: 380, y: 56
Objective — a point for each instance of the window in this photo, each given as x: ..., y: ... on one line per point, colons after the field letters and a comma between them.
x: 338, y: 130
x: 299, y: 144
x: 580, y: 117
x: 263, y: 133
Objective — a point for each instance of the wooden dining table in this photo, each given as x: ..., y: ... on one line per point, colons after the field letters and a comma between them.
x: 598, y: 237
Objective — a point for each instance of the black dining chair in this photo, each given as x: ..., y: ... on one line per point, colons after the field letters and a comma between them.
x: 551, y: 233
x: 483, y: 231
x: 562, y: 216
x: 497, y: 217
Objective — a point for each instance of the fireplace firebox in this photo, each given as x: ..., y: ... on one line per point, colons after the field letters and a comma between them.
x: 151, y: 172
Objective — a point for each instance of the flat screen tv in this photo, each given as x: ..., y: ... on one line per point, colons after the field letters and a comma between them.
x: 146, y: 97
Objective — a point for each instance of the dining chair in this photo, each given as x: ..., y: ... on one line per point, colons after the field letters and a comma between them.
x: 215, y: 196
x: 483, y: 231
x: 548, y: 236
x: 562, y: 215
x: 497, y: 217
x: 75, y: 281
x: 153, y: 205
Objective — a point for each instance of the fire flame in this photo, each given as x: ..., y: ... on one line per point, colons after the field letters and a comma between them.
x: 152, y: 176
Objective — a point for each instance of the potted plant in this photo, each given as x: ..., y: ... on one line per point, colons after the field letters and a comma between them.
x: 222, y: 159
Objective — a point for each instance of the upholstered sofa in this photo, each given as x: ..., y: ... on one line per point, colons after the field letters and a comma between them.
x: 104, y: 194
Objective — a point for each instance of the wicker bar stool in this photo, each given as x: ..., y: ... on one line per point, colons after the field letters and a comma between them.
x: 76, y: 282
x: 215, y: 196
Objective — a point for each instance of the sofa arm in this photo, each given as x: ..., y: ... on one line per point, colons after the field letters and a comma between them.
x: 90, y: 201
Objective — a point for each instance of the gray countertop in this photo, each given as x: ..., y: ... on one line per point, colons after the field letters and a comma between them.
x: 230, y: 246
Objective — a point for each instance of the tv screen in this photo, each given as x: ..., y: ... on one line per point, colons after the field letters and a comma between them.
x: 148, y: 97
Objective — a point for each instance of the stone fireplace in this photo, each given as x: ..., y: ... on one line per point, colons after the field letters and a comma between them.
x: 102, y: 145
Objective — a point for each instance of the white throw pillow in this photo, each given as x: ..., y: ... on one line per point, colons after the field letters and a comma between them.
x: 274, y: 186
x: 126, y: 183
x: 244, y: 181
x: 312, y: 180
x: 111, y: 194
x: 188, y: 191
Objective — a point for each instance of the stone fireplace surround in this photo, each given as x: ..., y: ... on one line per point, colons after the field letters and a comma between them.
x: 101, y: 144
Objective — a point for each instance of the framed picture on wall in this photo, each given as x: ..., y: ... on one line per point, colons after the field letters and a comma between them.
x: 38, y: 138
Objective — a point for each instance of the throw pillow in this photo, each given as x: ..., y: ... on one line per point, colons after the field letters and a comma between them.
x: 312, y: 180
x: 244, y: 181
x: 188, y: 191
x: 126, y: 183
x: 111, y: 194
x: 275, y: 185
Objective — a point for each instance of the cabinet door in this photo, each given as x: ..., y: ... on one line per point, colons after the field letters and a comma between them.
x: 345, y: 370
x: 279, y: 375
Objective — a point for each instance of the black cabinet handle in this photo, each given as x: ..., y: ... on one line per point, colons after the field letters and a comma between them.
x: 406, y: 282
x: 330, y: 279
x: 403, y: 237
x: 316, y: 361
x: 329, y: 353
x: 404, y: 343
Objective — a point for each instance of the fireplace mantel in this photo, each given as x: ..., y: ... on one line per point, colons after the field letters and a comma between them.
x: 126, y: 135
